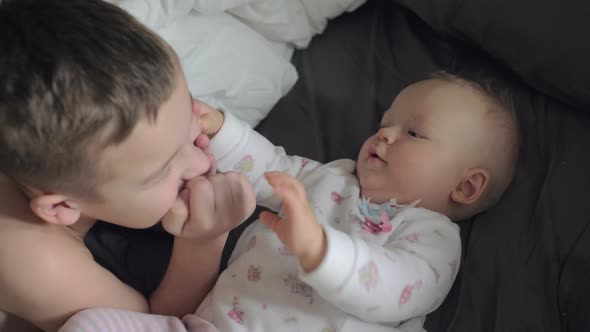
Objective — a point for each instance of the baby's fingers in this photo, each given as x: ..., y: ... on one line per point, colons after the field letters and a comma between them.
x: 290, y: 190
x: 270, y: 219
x: 285, y: 184
x: 202, y: 141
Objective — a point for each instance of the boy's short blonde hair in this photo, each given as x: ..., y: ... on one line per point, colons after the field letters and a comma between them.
x: 77, y: 76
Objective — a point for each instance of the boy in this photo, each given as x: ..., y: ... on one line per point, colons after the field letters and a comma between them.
x: 96, y: 123
x: 365, y: 246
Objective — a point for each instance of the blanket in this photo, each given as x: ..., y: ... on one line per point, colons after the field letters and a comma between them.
x: 235, y: 53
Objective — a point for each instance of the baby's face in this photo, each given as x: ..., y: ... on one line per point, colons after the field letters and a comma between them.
x: 428, y: 138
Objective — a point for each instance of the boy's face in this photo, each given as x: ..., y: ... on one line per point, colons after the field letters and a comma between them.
x: 146, y: 170
x: 428, y: 138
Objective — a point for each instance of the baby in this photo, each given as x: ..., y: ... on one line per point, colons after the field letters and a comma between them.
x: 365, y: 246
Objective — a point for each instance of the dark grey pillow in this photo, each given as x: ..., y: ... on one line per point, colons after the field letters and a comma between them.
x: 544, y: 41
x: 526, y: 261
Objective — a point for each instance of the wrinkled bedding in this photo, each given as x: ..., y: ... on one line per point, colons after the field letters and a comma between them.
x: 235, y: 53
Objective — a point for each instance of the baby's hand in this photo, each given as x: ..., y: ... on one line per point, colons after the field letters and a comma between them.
x: 210, y: 119
x: 210, y: 205
x: 298, y: 229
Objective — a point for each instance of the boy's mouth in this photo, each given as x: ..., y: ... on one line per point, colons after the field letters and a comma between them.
x: 181, y: 186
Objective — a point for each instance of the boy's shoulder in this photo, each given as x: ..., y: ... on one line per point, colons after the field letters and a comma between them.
x: 46, y: 272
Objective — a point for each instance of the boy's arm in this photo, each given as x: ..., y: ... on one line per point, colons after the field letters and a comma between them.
x: 47, y: 275
x: 208, y: 208
x: 46, y: 278
x: 191, y: 273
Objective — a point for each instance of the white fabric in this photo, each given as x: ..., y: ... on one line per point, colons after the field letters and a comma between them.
x: 385, y: 280
x: 291, y: 21
x: 235, y: 53
x: 227, y: 64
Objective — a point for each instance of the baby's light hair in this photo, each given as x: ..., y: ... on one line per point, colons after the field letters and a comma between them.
x: 504, y: 136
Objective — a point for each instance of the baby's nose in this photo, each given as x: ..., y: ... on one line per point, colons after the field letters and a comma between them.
x: 386, y: 135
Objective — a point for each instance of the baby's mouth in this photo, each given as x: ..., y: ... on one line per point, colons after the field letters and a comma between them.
x: 374, y: 155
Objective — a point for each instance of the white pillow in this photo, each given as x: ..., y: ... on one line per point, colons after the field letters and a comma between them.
x: 227, y: 64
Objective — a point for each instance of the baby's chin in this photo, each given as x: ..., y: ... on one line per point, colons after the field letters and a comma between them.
x: 377, y: 198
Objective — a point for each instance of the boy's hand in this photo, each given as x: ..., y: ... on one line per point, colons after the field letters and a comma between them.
x: 298, y: 229
x: 210, y: 205
x: 210, y: 119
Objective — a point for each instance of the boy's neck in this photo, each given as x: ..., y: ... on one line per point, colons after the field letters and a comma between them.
x: 81, y: 227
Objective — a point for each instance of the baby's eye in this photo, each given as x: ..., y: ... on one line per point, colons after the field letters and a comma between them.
x: 414, y: 134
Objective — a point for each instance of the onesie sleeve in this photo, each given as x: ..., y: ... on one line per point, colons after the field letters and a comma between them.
x: 408, y: 276
x: 238, y: 147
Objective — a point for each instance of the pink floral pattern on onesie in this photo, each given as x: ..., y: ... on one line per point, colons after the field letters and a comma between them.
x: 337, y: 198
x: 298, y: 287
x: 252, y: 243
x: 283, y: 250
x: 406, y: 294
x: 246, y: 164
x: 369, y: 275
x: 236, y: 314
x: 254, y: 273
x: 304, y: 162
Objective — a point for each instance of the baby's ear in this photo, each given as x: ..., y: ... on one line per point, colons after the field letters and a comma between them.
x: 55, y: 209
x: 472, y: 185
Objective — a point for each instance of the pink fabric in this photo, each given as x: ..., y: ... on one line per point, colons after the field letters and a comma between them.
x: 113, y: 320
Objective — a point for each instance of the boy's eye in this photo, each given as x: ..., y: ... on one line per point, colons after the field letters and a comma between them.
x: 163, y: 175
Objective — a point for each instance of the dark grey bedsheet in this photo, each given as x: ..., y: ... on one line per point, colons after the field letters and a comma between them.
x: 526, y: 262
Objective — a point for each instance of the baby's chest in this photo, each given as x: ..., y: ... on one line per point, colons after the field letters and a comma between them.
x: 336, y: 204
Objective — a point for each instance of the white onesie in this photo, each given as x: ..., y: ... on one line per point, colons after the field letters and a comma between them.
x: 385, y: 268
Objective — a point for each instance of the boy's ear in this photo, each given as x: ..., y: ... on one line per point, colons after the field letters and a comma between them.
x: 55, y: 209
x: 471, y: 187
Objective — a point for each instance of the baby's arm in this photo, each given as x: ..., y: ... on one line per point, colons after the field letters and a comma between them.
x: 409, y: 276
x: 298, y: 228
x: 238, y: 147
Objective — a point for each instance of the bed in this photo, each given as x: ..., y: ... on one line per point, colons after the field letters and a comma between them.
x: 526, y: 262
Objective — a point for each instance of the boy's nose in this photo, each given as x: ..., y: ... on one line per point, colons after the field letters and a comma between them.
x: 386, y: 135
